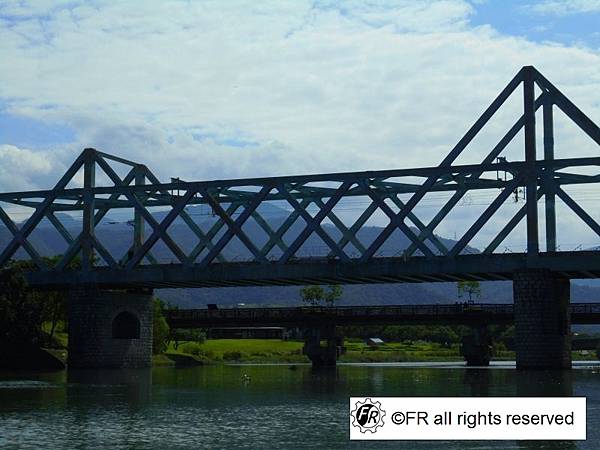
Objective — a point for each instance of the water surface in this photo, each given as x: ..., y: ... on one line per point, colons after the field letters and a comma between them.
x: 259, y: 407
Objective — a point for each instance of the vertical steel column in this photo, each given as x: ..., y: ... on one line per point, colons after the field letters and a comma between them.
x: 138, y: 221
x: 530, y: 158
x: 549, y: 196
x: 89, y: 182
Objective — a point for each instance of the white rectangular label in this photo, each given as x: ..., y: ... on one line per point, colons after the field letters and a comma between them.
x: 468, y: 418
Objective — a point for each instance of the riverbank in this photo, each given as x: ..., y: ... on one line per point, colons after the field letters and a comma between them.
x: 272, y: 351
x: 224, y: 351
x: 217, y: 351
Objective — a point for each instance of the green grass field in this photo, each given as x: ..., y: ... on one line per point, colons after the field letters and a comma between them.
x: 280, y: 351
x: 220, y: 346
x: 271, y: 350
x: 242, y: 350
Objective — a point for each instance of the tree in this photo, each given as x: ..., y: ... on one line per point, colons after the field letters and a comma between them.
x: 316, y: 295
x: 312, y: 295
x: 470, y: 288
x: 160, y: 331
x: 178, y: 335
x: 53, y: 304
x: 334, y: 294
x: 20, y: 310
x: 54, y: 309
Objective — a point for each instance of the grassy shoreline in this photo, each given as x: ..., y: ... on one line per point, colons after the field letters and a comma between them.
x: 273, y: 351
x: 219, y: 351
x: 270, y: 351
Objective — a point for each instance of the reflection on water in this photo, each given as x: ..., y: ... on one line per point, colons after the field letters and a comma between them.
x: 252, y: 406
x: 132, y: 387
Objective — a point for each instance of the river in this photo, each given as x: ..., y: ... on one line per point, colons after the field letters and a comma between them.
x: 255, y: 406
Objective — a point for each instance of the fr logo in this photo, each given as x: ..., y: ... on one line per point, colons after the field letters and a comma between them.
x: 367, y: 415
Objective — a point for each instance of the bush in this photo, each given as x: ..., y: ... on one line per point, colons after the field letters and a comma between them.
x: 192, y: 348
x: 234, y: 355
x: 195, y: 349
x: 160, y: 332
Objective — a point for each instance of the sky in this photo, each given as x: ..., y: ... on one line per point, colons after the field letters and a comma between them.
x: 228, y: 89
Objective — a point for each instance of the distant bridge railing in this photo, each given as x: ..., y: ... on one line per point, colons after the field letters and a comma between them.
x: 468, y: 314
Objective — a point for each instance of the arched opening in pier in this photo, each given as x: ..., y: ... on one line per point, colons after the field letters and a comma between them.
x: 126, y: 326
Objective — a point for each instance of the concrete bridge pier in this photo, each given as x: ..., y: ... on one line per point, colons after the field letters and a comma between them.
x: 322, y: 355
x: 109, y: 329
x: 476, y: 347
x: 542, y: 320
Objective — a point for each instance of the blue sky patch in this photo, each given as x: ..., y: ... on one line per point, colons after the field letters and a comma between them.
x: 518, y: 18
x: 30, y: 133
x: 230, y: 141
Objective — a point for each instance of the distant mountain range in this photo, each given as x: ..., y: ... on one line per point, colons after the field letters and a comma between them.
x: 116, y: 235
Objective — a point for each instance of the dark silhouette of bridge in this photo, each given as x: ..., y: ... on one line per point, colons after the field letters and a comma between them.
x: 322, y: 322
x: 300, y: 316
x: 540, y: 274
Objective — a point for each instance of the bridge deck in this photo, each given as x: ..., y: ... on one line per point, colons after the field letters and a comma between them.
x: 580, y: 264
x: 581, y: 313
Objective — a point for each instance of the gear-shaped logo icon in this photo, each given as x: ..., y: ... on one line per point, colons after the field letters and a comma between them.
x: 367, y: 415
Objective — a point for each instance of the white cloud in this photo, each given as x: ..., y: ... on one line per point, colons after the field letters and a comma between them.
x: 565, y: 7
x: 310, y: 86
x: 24, y: 169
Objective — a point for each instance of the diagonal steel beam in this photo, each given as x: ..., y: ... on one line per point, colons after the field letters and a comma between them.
x: 583, y: 215
x: 277, y: 238
x: 269, y: 230
x: 459, y: 194
x: 395, y: 223
x: 104, y: 253
x: 212, y: 232
x: 199, y: 233
x: 482, y: 220
x: 313, y: 224
x: 342, y: 228
x: 158, y: 229
x: 125, y: 258
x: 362, y: 219
x: 203, y: 239
x: 74, y: 247
x: 10, y: 225
x: 160, y: 232
x: 234, y: 227
x: 21, y: 235
x: 420, y: 225
x: 569, y: 108
x: 512, y: 223
x: 59, y: 227
x: 448, y: 160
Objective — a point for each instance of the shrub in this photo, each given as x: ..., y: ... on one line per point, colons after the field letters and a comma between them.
x: 233, y: 355
x: 160, y: 332
x: 192, y: 348
x: 209, y: 354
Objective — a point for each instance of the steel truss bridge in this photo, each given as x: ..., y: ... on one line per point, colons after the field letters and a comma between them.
x: 278, y: 259
x: 459, y: 314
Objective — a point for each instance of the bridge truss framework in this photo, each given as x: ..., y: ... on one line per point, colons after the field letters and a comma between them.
x: 278, y: 261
